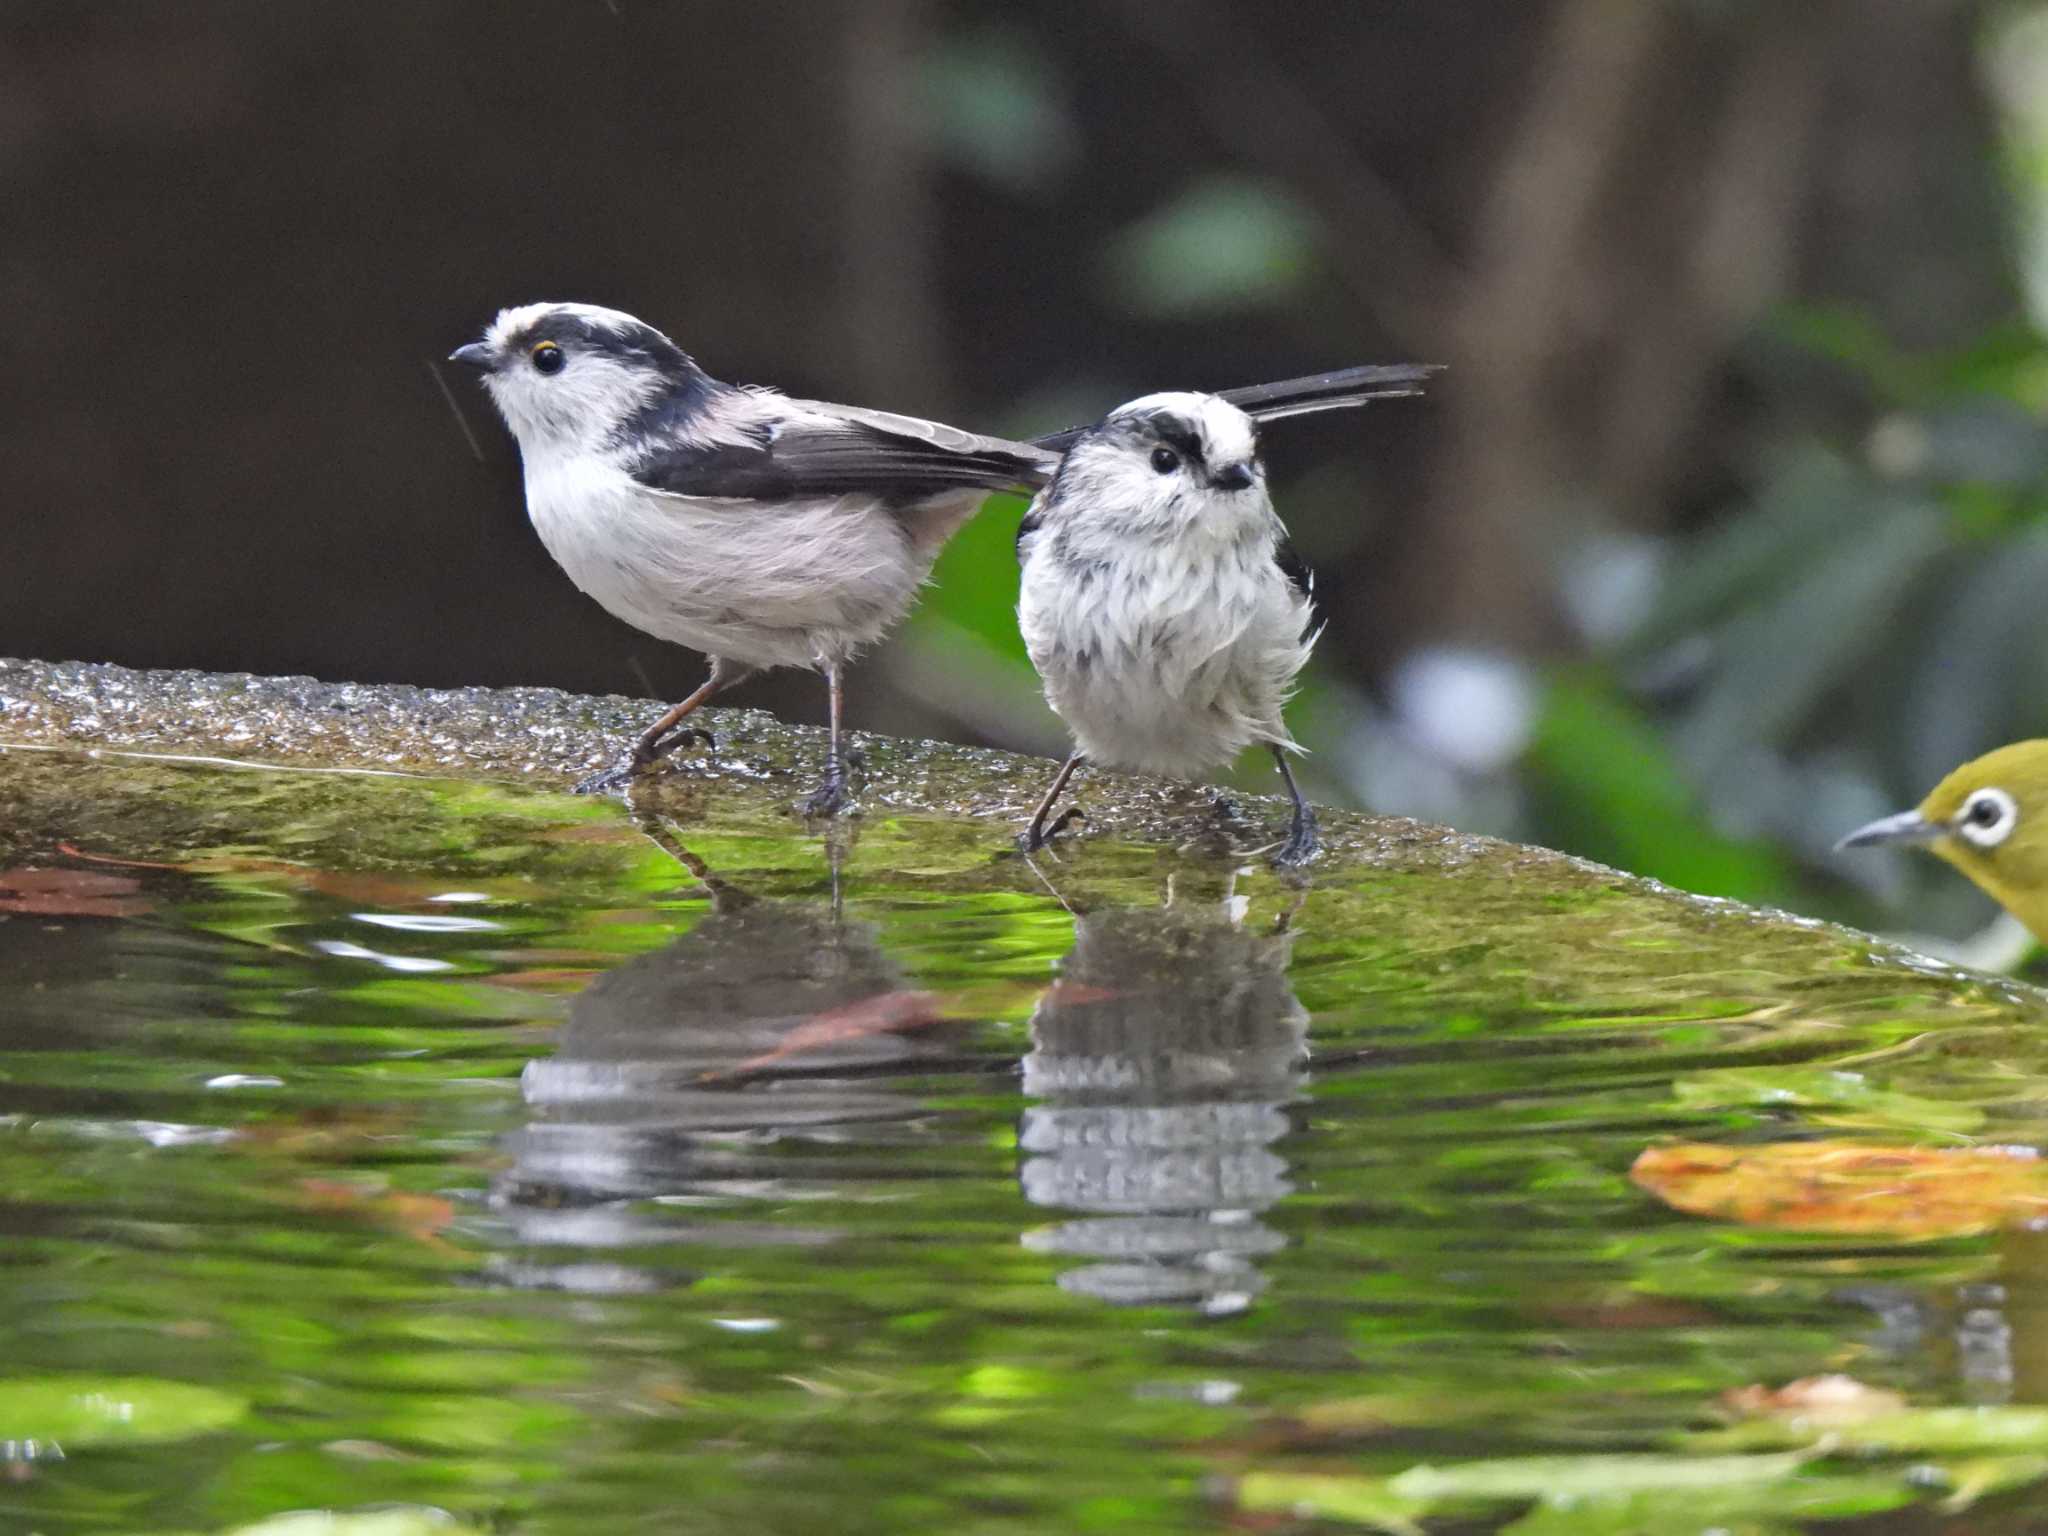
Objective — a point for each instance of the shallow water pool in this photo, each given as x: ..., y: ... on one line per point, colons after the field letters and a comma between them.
x: 448, y: 1155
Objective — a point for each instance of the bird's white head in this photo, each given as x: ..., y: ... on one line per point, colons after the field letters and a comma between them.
x: 576, y: 377
x: 1164, y: 463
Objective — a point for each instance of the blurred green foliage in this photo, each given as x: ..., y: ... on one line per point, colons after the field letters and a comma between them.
x: 1224, y: 243
x: 1866, y: 618
x: 1605, y: 784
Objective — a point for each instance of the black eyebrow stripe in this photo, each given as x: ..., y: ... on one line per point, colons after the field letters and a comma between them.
x: 630, y: 340
x: 1176, y: 433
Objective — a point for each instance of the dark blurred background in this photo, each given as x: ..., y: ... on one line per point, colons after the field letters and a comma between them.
x: 1725, y: 530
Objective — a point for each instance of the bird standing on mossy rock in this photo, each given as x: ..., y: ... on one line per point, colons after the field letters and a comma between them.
x: 761, y: 530
x: 1990, y: 819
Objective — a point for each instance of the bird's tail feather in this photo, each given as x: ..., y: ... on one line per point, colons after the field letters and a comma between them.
x: 1338, y: 390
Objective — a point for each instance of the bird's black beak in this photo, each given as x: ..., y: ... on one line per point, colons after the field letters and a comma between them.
x: 1232, y: 477
x: 475, y: 355
x: 1906, y: 827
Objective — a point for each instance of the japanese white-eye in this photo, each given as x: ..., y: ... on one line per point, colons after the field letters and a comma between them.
x: 1990, y: 819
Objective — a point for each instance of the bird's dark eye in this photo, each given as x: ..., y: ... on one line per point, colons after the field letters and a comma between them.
x: 1986, y: 811
x: 1165, y: 460
x: 549, y: 358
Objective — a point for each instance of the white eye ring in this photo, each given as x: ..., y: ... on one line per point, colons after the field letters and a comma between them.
x: 1987, y: 818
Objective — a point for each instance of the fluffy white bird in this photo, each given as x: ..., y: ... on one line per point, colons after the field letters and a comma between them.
x: 1161, y: 604
x: 762, y: 530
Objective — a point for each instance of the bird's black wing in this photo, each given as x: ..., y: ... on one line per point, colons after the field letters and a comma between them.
x: 807, y: 450
x: 1294, y: 568
x: 1303, y: 580
x: 1034, y: 519
x: 1334, y: 391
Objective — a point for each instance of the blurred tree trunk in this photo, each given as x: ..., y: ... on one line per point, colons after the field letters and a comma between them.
x: 889, y: 299
x: 1661, y: 182
x: 1903, y: 214
x: 1520, y: 316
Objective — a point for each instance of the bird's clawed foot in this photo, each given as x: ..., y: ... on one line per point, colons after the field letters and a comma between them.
x: 618, y: 776
x: 833, y: 797
x: 643, y: 756
x: 1303, y: 841
x: 1034, y: 837
x: 677, y: 737
x: 1225, y: 810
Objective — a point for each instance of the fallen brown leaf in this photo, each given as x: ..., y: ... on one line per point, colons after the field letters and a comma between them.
x: 1822, y: 1402
x: 72, y: 851
x: 420, y: 1217
x: 1073, y: 994
x: 1835, y: 1186
x: 1622, y: 1313
x: 358, y: 886
x: 883, y: 1014
x: 320, y: 1132
x: 71, y: 893
x: 542, y: 978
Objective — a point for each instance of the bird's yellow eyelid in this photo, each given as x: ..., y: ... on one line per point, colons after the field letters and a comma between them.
x: 544, y: 346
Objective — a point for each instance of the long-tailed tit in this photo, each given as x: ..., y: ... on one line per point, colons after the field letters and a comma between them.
x: 1161, y: 604
x: 762, y: 530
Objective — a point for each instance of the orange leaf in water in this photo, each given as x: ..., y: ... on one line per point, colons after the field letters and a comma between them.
x: 70, y: 893
x: 419, y: 1217
x: 542, y: 978
x: 345, y: 885
x: 885, y: 1013
x: 370, y: 889
x: 322, y: 1132
x: 1836, y: 1186
x: 1623, y: 1312
x: 73, y: 851
x: 1821, y: 1402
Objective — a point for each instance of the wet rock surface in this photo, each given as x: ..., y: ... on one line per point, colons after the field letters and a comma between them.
x: 550, y: 739
x: 937, y: 805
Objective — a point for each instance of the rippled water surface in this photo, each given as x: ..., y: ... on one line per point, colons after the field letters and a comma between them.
x: 441, y: 1153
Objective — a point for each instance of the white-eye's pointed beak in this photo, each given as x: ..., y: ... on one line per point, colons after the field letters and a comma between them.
x: 1906, y: 827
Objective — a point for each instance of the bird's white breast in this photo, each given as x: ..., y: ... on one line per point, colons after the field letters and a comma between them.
x: 1170, y: 657
x: 769, y: 584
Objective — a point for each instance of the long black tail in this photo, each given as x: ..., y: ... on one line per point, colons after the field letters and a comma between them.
x: 1335, y: 391
x: 1330, y: 391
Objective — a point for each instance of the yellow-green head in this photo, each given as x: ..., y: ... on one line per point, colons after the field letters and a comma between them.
x: 1990, y: 819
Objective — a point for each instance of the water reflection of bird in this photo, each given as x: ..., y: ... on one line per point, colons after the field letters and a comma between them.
x: 1989, y: 819
x: 677, y: 1072
x: 1161, y: 1060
